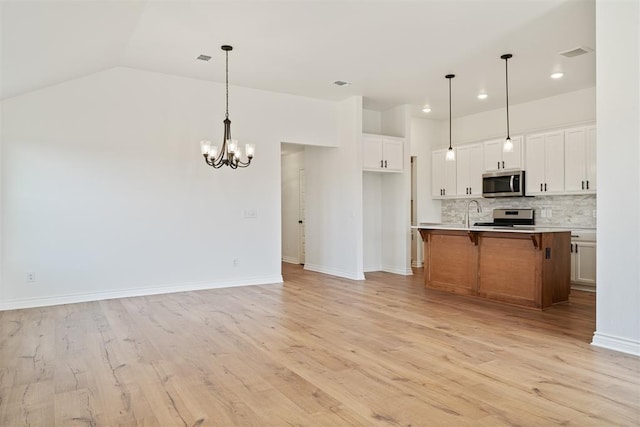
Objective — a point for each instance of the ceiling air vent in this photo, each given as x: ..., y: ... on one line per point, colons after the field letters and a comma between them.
x: 204, y: 57
x: 341, y: 83
x: 576, y: 51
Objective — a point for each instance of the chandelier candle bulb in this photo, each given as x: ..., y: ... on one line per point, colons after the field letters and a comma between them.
x: 250, y: 149
x: 205, y: 146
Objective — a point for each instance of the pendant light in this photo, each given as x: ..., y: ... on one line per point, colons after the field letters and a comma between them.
x: 507, y: 146
x: 451, y: 155
x: 230, y: 154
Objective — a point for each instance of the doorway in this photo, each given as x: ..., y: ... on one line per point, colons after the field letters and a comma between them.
x: 293, y: 193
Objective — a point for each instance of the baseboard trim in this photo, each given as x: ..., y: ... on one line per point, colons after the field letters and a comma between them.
x: 620, y: 344
x: 372, y: 268
x: 15, y: 304
x: 397, y: 270
x: 417, y: 264
x: 290, y: 260
x: 334, y: 272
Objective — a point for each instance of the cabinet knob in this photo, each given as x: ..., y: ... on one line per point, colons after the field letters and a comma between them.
x: 498, y: 164
x: 503, y: 164
x: 380, y: 163
x: 587, y: 184
x: 583, y: 185
x: 545, y: 186
x: 572, y: 248
x: 540, y: 186
x: 385, y: 163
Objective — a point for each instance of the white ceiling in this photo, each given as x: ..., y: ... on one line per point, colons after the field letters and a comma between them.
x: 393, y: 52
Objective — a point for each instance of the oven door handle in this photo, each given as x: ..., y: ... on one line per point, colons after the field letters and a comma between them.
x: 511, y: 183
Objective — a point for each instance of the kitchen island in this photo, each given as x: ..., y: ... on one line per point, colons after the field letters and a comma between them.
x: 525, y: 266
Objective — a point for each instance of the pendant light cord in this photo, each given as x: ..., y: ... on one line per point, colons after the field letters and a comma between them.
x: 506, y: 79
x: 450, y: 114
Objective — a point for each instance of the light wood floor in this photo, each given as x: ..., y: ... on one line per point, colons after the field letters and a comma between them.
x: 315, y: 351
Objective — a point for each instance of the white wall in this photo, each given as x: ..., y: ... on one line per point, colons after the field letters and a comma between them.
x: 371, y: 121
x: 618, y: 161
x: 334, y: 199
x: 372, y: 220
x: 556, y: 111
x: 106, y: 193
x: 425, y: 136
x: 292, y: 163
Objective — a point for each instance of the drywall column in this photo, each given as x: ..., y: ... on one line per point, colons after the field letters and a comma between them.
x: 334, y: 232
x: 396, y: 196
x: 618, y: 157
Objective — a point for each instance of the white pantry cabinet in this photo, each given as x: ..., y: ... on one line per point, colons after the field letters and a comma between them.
x: 443, y: 175
x: 495, y: 159
x: 583, y: 260
x: 580, y: 160
x: 382, y: 153
x: 469, y: 168
x: 545, y: 163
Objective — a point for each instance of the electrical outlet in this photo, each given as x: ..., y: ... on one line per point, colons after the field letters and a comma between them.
x: 594, y: 213
x: 250, y: 213
x: 236, y: 262
x: 543, y: 212
x: 31, y: 277
x: 549, y: 212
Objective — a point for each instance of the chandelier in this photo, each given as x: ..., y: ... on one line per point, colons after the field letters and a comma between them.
x: 230, y: 154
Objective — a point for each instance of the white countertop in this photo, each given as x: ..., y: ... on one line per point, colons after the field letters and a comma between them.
x: 516, y: 229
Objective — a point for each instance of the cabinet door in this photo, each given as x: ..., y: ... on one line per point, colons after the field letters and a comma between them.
x: 591, y: 159
x: 437, y: 173
x: 554, y: 162
x: 372, y: 152
x: 585, y: 253
x: 573, y: 262
x: 449, y: 177
x: 392, y: 155
x: 575, y: 146
x: 469, y: 168
x: 493, y: 155
x: 535, y: 164
x: 513, y: 160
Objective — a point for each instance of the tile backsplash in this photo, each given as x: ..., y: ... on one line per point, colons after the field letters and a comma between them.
x: 564, y: 211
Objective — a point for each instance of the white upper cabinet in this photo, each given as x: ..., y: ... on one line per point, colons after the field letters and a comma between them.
x: 443, y: 175
x: 545, y: 163
x: 469, y: 168
x: 495, y: 159
x: 382, y: 153
x: 580, y: 160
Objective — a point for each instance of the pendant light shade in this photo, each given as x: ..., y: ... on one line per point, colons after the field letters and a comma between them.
x: 507, y: 146
x: 451, y: 155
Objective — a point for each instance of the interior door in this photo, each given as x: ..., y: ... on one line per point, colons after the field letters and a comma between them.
x: 301, y: 217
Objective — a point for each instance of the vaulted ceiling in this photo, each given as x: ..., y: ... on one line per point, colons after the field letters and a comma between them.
x: 392, y: 52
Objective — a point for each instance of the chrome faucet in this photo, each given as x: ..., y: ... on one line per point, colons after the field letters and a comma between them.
x: 466, y: 211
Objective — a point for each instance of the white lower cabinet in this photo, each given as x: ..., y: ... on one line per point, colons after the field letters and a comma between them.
x: 583, y: 261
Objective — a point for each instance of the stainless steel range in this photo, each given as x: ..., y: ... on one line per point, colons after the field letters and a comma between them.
x: 510, y: 217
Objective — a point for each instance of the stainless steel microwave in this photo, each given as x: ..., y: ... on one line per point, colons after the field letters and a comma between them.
x: 503, y: 184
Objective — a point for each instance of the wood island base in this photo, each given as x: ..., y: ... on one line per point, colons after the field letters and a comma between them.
x: 526, y: 269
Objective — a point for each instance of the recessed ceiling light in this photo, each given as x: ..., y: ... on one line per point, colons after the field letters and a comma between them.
x: 204, y: 57
x: 426, y: 109
x: 557, y: 75
x: 341, y: 83
x: 482, y: 96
